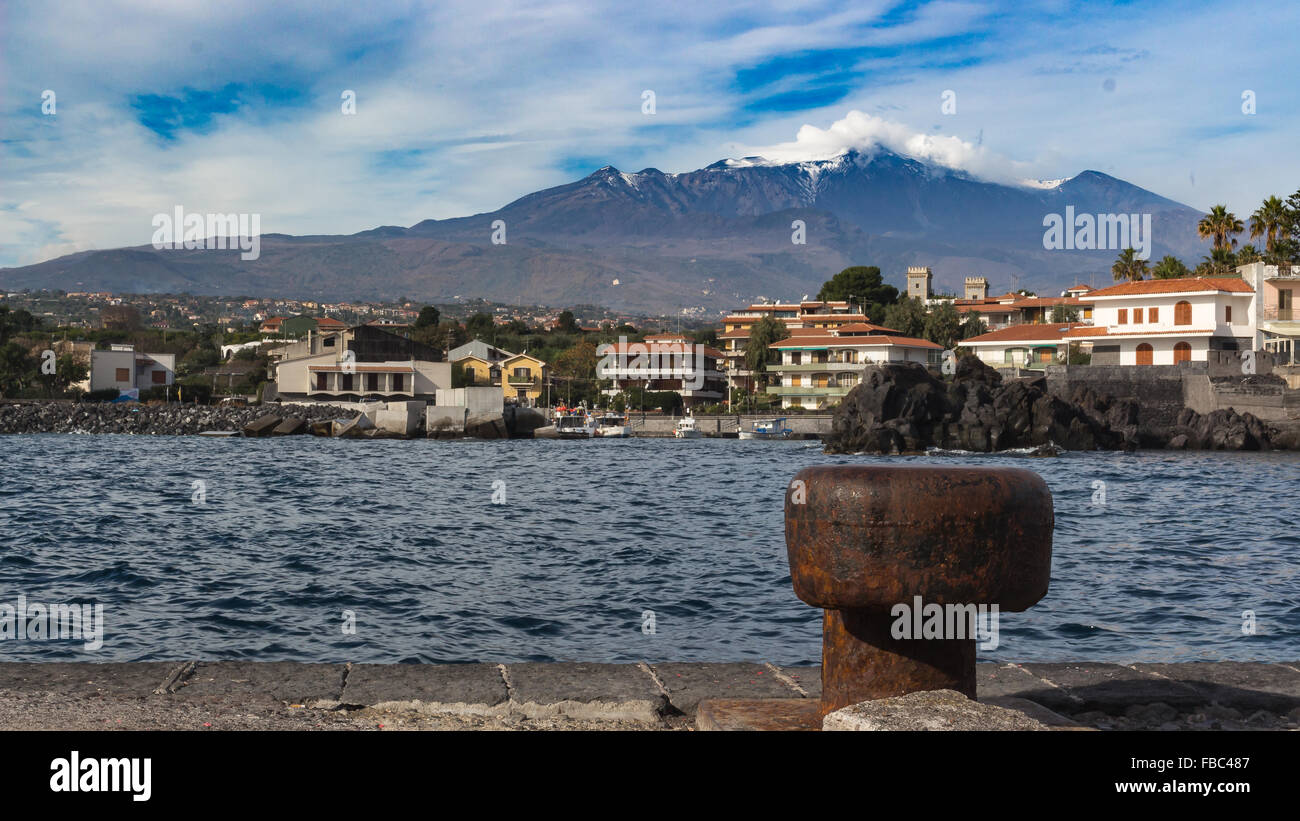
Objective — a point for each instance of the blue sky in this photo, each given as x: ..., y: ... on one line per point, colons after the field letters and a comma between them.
x: 463, y: 106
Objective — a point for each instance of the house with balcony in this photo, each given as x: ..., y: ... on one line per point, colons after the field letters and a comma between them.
x: 818, y: 367
x: 665, y: 362
x: 524, y: 379
x: 126, y: 369
x: 815, y: 314
x: 1169, y: 321
x: 1030, y: 346
x: 1277, y: 320
x: 356, y: 363
x: 479, y: 361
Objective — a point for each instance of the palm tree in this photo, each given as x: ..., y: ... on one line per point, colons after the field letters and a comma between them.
x: 1247, y: 254
x: 1220, y: 225
x: 1269, y: 220
x: 1220, y: 261
x: 1129, y: 267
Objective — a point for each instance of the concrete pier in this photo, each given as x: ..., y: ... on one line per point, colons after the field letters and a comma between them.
x: 202, y: 695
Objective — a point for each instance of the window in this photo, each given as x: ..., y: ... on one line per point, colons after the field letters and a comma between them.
x: 1123, y: 316
x: 322, y: 382
x: 1183, y: 313
x: 1137, y: 316
x: 1153, y: 315
x: 1227, y: 314
x: 347, y: 381
x: 372, y: 381
x: 122, y: 375
x: 1145, y: 354
x: 1182, y: 353
x: 158, y: 377
x: 399, y: 382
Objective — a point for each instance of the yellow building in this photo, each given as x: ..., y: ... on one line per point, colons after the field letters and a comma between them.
x: 483, y: 373
x: 523, y: 379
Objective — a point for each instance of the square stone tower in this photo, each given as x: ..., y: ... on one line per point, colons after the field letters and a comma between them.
x: 918, y: 282
x: 977, y: 288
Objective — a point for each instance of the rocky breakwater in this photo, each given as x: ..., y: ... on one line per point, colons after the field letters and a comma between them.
x: 176, y: 420
x: 903, y: 407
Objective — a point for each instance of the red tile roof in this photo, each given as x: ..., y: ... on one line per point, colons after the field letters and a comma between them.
x: 1028, y: 332
x: 1181, y: 285
x: 1091, y: 330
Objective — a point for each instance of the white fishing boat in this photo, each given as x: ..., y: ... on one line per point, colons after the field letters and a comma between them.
x: 767, y: 429
x: 686, y: 429
x: 613, y: 425
x: 573, y: 426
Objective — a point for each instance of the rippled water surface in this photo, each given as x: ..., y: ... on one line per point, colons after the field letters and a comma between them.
x: 405, y: 535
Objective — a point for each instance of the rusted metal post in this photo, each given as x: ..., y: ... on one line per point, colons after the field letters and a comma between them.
x: 863, y: 539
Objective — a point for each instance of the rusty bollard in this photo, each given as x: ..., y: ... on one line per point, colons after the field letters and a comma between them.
x: 864, y: 538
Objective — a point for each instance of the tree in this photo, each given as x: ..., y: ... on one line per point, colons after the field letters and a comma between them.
x: 708, y: 336
x: 567, y: 323
x: 480, y: 326
x: 120, y: 318
x: 1065, y: 313
x: 1220, y: 261
x: 1271, y: 220
x: 578, y: 362
x: 907, y: 316
x: 17, y: 368
x: 1129, y: 267
x: 16, y: 322
x: 1247, y: 254
x: 973, y: 325
x: 861, y: 285
x: 1220, y: 225
x: 1170, y: 267
x: 428, y: 318
x: 761, y: 336
x: 942, y: 326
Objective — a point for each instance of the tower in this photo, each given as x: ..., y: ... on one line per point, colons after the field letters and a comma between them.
x: 977, y: 288
x: 918, y: 282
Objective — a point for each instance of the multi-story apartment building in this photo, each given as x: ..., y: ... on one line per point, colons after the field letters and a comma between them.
x: 819, y: 367
x: 806, y: 314
x: 1277, y: 318
x: 1168, y: 321
x: 665, y: 362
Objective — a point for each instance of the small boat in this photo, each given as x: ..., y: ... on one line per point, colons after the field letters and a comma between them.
x: 767, y: 429
x: 613, y: 425
x: 686, y: 429
x: 574, y: 426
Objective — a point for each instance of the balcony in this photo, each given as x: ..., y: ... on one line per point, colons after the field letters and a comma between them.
x: 1277, y: 314
x: 825, y: 367
x: 523, y: 382
x: 791, y: 390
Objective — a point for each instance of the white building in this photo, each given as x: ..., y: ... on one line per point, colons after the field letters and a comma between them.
x: 1032, y: 347
x: 361, y: 362
x: 1277, y: 319
x: 121, y: 367
x: 1167, y: 321
x: 819, y: 367
x: 665, y: 362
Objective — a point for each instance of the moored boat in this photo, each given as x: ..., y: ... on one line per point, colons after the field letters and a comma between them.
x: 767, y: 429
x: 686, y: 429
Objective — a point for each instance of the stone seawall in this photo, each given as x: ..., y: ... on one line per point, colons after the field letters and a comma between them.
x: 809, y: 425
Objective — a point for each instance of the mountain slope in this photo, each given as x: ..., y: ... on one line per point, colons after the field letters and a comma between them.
x: 708, y: 239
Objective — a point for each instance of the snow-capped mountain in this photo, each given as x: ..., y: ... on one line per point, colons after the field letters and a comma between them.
x: 714, y: 237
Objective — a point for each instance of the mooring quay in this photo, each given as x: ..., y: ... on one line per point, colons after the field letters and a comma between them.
x: 203, y: 695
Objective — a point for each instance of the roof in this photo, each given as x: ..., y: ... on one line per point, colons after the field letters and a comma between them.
x: 1047, y: 332
x: 1180, y: 285
x: 635, y: 348
x: 1079, y: 287
x: 1091, y: 331
x: 861, y: 328
x: 829, y: 341
x: 524, y: 355
x: 329, y: 322
x: 359, y: 367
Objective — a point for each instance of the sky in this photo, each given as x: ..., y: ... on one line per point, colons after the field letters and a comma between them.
x: 462, y: 107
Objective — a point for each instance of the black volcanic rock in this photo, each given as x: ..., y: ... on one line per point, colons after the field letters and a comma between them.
x: 904, y: 407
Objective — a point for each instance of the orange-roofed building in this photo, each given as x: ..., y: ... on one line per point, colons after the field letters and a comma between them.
x: 1033, y: 346
x: 807, y: 314
x: 664, y: 362
x: 1169, y: 321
